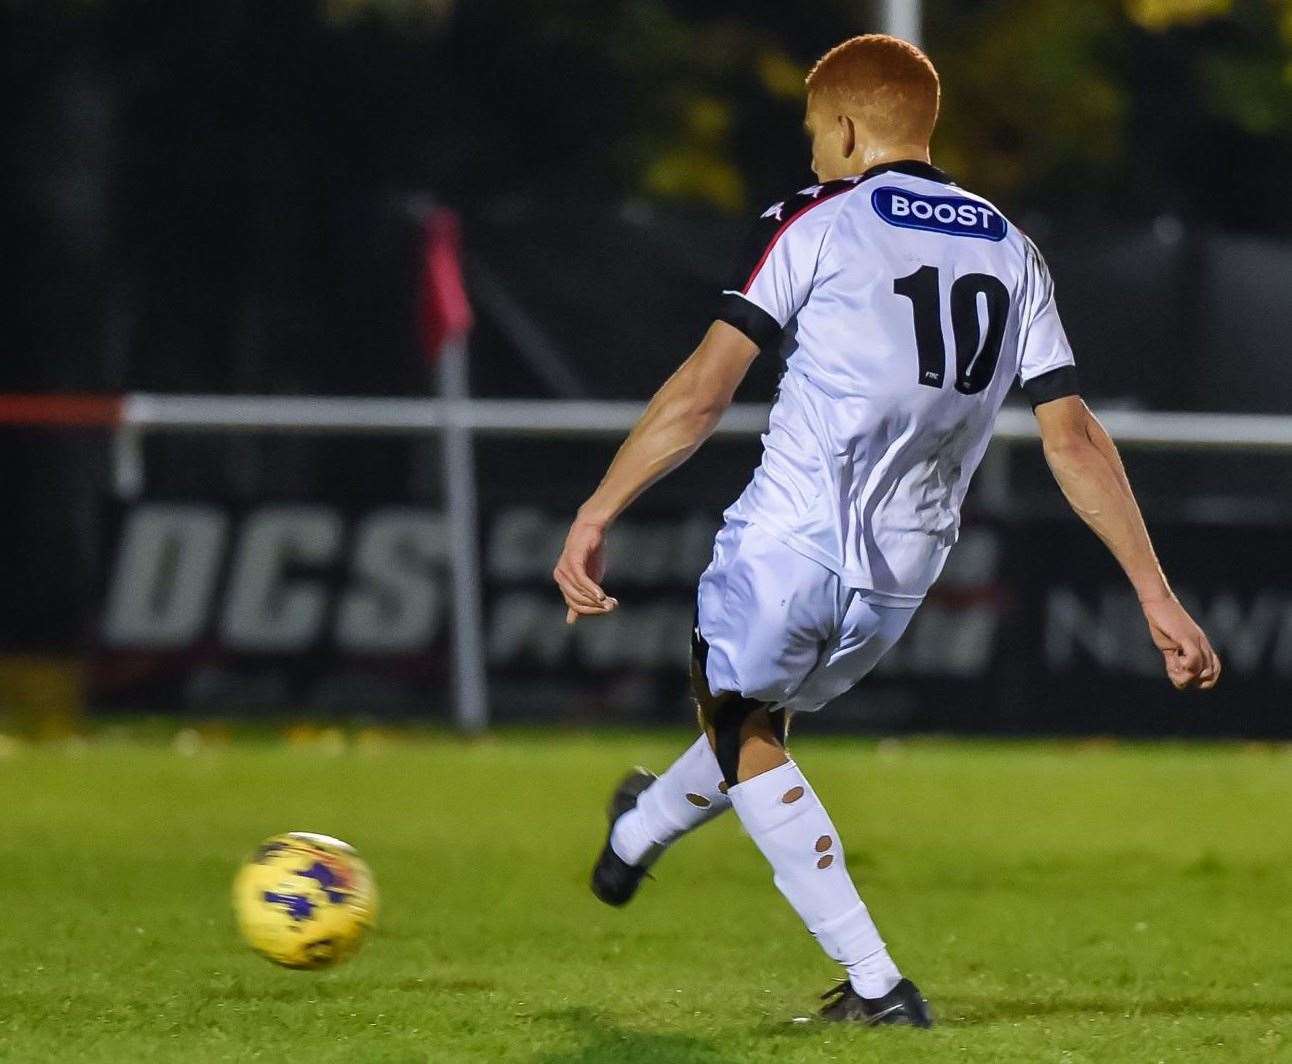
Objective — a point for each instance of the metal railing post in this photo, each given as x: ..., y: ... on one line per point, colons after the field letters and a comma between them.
x: 127, y: 462
x: 903, y: 18
x: 471, y: 704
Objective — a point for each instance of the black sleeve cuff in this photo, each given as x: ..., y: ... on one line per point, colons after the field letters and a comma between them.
x: 1057, y: 384
x: 750, y: 319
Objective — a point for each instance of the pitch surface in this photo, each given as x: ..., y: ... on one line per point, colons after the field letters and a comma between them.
x: 1056, y: 902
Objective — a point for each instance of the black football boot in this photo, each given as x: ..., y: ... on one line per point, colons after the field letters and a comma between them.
x: 614, y: 880
x: 903, y: 1005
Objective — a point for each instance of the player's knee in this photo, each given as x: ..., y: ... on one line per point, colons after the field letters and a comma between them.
x: 779, y: 722
x: 747, y: 738
x: 728, y: 715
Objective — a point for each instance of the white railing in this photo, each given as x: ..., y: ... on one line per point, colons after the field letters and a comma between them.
x: 575, y: 417
x: 461, y: 419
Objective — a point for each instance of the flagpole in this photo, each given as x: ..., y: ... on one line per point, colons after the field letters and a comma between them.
x: 445, y: 319
x: 471, y: 705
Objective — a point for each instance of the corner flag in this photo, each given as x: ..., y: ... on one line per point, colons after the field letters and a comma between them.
x: 443, y: 310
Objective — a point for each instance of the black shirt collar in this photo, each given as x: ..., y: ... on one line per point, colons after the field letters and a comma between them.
x: 910, y: 167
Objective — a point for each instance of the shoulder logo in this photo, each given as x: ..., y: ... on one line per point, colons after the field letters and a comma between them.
x: 774, y: 211
x: 812, y: 190
x: 950, y: 215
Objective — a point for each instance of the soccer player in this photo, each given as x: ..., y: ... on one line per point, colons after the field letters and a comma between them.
x: 904, y: 307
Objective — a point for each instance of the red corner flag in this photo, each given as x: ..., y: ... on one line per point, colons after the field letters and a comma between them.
x: 443, y: 310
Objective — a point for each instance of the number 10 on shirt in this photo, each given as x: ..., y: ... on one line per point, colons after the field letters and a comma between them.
x: 976, y: 352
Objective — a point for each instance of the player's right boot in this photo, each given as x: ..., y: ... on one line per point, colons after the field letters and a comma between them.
x: 903, y: 1005
x: 614, y: 880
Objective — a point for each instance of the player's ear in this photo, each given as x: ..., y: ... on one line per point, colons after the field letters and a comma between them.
x: 847, y: 136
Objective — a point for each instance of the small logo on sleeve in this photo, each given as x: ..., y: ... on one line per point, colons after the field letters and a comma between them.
x: 952, y: 215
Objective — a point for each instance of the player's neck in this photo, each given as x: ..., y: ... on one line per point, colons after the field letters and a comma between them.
x: 878, y: 155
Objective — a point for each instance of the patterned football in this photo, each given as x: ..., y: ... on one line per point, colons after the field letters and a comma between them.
x: 304, y: 900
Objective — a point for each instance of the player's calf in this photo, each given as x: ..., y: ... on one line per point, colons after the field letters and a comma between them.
x: 791, y: 827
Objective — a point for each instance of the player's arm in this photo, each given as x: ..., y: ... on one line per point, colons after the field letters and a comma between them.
x: 681, y: 416
x: 1090, y: 474
x: 769, y: 284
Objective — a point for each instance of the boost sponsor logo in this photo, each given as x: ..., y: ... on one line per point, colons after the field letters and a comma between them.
x: 951, y: 215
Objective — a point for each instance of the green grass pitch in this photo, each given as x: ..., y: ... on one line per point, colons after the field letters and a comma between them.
x: 1057, y: 902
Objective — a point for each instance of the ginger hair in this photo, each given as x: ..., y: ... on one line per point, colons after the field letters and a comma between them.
x: 888, y: 83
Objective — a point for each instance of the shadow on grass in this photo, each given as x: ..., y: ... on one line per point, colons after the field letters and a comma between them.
x: 604, y: 1042
x: 994, y: 1010
x: 974, y: 1012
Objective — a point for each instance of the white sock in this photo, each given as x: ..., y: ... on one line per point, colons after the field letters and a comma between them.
x: 687, y: 795
x: 789, y: 824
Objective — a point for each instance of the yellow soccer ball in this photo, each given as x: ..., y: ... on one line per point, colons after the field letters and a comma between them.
x: 304, y: 900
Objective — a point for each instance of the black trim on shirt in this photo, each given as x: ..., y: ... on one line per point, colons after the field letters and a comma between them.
x: 750, y: 319
x: 772, y: 223
x: 1056, y: 384
x: 910, y: 167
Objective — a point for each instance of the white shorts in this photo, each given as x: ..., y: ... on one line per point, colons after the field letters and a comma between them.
x: 783, y: 629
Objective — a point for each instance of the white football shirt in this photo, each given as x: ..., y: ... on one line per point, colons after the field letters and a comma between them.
x: 905, y: 307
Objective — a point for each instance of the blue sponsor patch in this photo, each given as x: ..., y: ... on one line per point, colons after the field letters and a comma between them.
x: 952, y: 215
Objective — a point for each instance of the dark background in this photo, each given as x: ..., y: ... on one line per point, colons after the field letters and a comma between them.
x: 213, y: 196
x: 224, y: 197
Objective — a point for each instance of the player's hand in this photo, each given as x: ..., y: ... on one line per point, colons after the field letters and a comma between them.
x: 1190, y: 661
x: 579, y: 570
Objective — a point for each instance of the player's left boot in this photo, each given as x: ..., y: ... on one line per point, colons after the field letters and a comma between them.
x: 903, y: 1005
x: 614, y: 880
